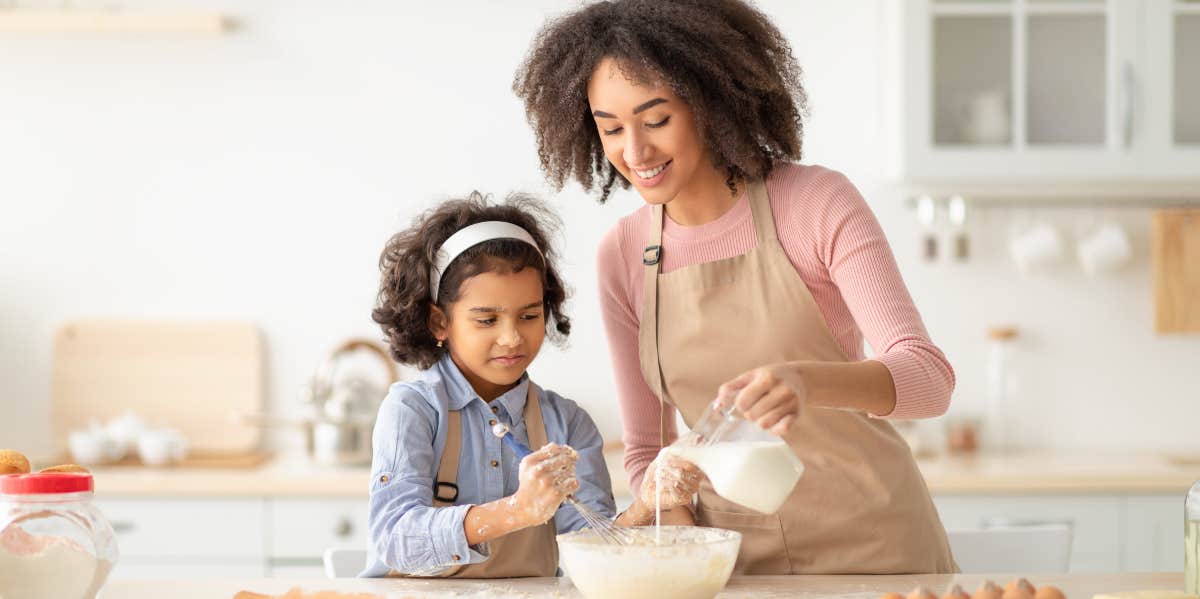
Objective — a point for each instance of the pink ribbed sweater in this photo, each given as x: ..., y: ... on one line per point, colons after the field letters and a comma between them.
x: 836, y: 245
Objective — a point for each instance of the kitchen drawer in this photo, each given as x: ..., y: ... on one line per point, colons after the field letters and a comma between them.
x: 1096, y: 521
x: 231, y: 530
x: 304, y: 528
x: 185, y: 571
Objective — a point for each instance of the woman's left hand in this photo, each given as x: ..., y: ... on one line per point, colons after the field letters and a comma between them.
x: 773, y: 396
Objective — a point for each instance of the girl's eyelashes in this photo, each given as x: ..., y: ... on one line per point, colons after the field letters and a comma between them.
x: 656, y: 125
x: 486, y: 321
x: 531, y: 316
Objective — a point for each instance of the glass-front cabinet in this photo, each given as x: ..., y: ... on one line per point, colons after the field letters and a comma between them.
x: 997, y: 89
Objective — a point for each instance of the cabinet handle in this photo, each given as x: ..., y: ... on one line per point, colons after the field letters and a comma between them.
x: 122, y: 526
x: 1128, y: 82
x: 345, y: 528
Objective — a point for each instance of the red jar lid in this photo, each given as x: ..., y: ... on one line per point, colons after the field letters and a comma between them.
x: 40, y: 483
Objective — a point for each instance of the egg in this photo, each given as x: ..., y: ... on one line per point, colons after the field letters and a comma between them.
x: 1049, y: 592
x: 13, y: 462
x: 988, y: 590
x: 1018, y: 589
x: 921, y: 593
x: 891, y: 596
x: 956, y: 592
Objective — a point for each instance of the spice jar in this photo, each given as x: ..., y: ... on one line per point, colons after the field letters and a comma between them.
x: 53, y: 541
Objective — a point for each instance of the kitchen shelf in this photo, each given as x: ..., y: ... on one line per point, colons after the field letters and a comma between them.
x: 110, y: 22
x: 1059, y: 194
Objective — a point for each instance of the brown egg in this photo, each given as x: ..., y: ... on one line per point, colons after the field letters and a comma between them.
x: 1049, y: 592
x: 66, y: 468
x: 956, y: 592
x: 921, y: 593
x: 13, y: 462
x: 988, y: 590
x: 1018, y: 589
x: 891, y: 596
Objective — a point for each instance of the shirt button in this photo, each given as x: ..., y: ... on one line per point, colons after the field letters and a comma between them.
x: 455, y: 557
x: 383, y: 478
x: 495, y: 409
x: 495, y: 464
x: 492, y: 422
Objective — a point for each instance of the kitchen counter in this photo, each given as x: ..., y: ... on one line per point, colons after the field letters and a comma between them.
x: 1075, y: 586
x: 1032, y: 472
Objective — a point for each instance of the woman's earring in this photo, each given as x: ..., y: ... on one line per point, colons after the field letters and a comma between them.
x: 439, y: 342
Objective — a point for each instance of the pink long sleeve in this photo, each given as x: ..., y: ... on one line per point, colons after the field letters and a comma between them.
x: 836, y: 245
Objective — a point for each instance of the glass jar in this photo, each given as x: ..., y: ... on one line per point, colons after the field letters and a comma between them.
x: 53, y: 541
x: 1191, y: 540
x: 999, y: 389
x: 744, y: 463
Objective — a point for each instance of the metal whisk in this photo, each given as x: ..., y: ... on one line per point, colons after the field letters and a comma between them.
x: 604, y: 527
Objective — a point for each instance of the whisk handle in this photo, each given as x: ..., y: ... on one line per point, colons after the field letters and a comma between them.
x: 516, y: 446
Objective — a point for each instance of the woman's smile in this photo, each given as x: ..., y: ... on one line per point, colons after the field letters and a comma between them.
x: 651, y: 176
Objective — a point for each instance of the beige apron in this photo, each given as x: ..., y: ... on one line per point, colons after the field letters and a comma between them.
x: 861, y: 506
x: 527, y: 552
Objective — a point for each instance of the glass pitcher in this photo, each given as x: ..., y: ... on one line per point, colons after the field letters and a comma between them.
x: 744, y: 463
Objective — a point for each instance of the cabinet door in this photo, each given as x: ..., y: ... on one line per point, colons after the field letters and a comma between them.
x: 1154, y: 533
x: 183, y: 529
x: 305, y: 528
x: 196, y: 570
x: 1023, y: 88
x: 1095, y: 520
x: 1171, y: 35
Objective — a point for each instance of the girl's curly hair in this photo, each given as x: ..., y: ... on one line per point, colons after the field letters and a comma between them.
x: 724, y: 58
x: 405, y: 298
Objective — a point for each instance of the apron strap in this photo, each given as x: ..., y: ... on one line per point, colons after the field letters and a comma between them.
x: 445, y: 487
x: 760, y: 211
x: 534, y: 425
x: 652, y: 260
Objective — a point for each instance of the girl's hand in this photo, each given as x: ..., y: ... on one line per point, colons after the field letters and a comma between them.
x: 680, y: 480
x: 547, y: 476
x: 773, y: 397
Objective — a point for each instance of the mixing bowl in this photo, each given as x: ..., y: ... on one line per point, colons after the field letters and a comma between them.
x: 692, y: 562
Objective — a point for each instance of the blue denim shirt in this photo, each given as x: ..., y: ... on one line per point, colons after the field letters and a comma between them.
x: 408, y: 534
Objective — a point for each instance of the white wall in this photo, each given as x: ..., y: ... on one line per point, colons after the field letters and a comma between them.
x: 256, y: 176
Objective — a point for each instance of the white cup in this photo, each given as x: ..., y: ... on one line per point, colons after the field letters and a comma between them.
x: 1105, y: 249
x: 1037, y: 248
x: 159, y: 447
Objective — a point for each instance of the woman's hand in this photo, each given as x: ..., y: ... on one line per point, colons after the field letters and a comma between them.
x: 773, y: 397
x: 547, y: 476
x: 680, y: 480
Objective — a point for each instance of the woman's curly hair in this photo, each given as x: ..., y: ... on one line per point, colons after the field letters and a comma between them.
x: 724, y: 58
x: 405, y: 297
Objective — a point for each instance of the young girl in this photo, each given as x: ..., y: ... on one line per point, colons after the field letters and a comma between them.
x: 745, y: 275
x: 469, y: 293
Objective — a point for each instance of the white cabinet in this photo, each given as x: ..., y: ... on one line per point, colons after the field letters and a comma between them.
x: 234, y: 538
x: 1096, y: 533
x: 1110, y: 533
x: 1081, y: 89
x: 1154, y: 533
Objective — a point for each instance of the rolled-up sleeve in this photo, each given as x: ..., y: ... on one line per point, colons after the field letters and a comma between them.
x: 595, y: 486
x: 408, y: 534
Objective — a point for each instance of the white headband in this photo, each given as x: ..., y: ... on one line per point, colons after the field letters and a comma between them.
x: 469, y: 237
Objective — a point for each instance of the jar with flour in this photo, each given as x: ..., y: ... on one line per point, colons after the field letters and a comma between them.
x: 53, y: 541
x: 744, y: 463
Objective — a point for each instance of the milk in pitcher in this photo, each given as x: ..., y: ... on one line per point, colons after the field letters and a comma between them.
x: 756, y: 474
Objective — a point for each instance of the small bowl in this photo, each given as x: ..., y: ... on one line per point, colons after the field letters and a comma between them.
x: 693, y: 562
x: 161, y: 447
x: 93, y: 447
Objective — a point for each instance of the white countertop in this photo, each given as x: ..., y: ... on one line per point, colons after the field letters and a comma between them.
x: 1033, y: 472
x: 1074, y: 586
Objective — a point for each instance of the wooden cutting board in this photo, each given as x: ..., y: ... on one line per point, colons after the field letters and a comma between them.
x: 195, y: 377
x: 1176, y: 251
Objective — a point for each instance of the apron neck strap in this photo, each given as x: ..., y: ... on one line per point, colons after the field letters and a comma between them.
x: 445, y: 487
x: 760, y: 211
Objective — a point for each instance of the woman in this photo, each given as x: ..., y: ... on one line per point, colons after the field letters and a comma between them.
x: 746, y: 275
